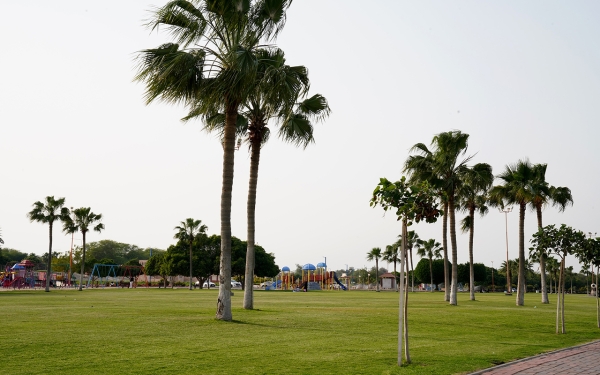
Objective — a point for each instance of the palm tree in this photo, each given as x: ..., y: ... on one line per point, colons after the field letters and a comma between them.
x: 48, y: 212
x: 430, y: 249
x: 518, y: 179
x: 542, y: 194
x: 390, y: 255
x: 473, y: 197
x: 214, y: 71
x: 278, y: 88
x: 375, y: 253
x: 553, y: 267
x: 83, y: 220
x: 412, y: 238
x: 443, y: 169
x: 186, y: 232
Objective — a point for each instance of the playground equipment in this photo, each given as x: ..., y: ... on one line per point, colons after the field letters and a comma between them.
x: 114, y: 272
x: 323, y: 278
x: 19, y: 275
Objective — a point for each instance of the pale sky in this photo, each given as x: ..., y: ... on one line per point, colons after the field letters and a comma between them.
x: 522, y: 78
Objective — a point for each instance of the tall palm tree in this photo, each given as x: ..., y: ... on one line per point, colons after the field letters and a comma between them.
x: 430, y: 249
x: 48, y: 212
x: 390, y: 255
x: 275, y: 99
x: 83, y: 220
x: 443, y: 168
x: 543, y: 194
x: 214, y: 71
x: 376, y: 254
x: 517, y: 189
x: 186, y: 232
x: 473, y: 197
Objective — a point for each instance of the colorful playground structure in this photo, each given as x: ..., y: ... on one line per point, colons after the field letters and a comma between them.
x: 313, y: 278
x: 27, y: 274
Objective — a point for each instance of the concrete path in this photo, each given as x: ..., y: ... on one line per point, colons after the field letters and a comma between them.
x: 578, y: 360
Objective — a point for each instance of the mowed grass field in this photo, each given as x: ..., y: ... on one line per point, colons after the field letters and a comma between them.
x: 173, y: 331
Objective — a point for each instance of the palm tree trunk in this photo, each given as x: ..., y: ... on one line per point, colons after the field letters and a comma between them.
x: 395, y: 274
x: 224, y: 299
x: 412, y: 272
x: 431, y: 272
x: 191, y: 239
x: 562, y: 293
x: 445, y: 243
x: 401, y: 287
x: 251, y: 216
x: 538, y: 210
x: 471, y: 270
x: 406, y: 350
x: 454, y: 287
x: 377, y: 274
x: 82, y: 263
x: 521, y: 280
x: 49, y: 267
x: 597, y: 300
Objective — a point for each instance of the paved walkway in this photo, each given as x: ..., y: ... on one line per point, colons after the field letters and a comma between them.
x: 578, y: 360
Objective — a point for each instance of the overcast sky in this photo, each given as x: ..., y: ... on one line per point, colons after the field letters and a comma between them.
x: 522, y: 78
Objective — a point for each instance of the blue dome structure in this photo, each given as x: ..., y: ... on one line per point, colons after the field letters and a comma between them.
x: 285, y: 269
x: 321, y: 265
x: 309, y: 267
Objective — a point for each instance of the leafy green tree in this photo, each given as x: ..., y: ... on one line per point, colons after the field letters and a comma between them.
x: 412, y: 203
x: 214, y: 71
x: 562, y: 242
x: 186, y: 232
x: 376, y: 254
x: 589, y: 255
x: 48, y: 212
x: 472, y: 196
x: 83, y: 220
x: 431, y: 250
x: 443, y: 168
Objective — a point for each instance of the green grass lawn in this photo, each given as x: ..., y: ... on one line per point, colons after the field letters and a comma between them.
x: 158, y: 331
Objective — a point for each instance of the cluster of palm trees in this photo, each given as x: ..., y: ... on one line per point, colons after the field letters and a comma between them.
x: 468, y: 188
x: 430, y: 249
x: 74, y: 220
x: 224, y: 68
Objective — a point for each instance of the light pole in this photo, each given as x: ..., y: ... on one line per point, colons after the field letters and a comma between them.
x: 508, y: 287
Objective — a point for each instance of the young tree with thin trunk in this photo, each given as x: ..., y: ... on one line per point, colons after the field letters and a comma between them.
x: 562, y: 242
x: 48, y: 212
x: 412, y: 203
x: 186, y: 232
x: 83, y: 220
